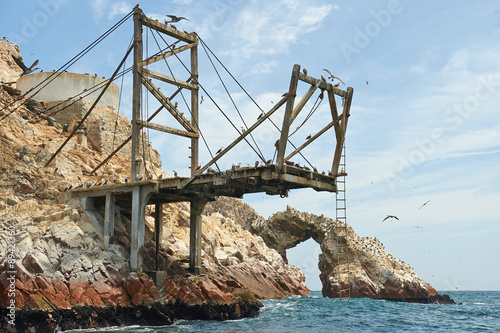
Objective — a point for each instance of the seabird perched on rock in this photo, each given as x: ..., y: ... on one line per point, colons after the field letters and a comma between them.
x: 390, y: 217
x: 26, y: 70
x: 175, y: 19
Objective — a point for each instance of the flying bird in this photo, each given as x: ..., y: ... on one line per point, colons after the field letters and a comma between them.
x: 175, y: 19
x: 26, y: 70
x: 390, y: 217
x: 425, y: 203
x: 333, y: 76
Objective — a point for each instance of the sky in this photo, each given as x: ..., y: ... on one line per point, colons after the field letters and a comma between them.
x: 424, y: 124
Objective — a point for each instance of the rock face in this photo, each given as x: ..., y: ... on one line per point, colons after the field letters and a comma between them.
x: 370, y: 271
x: 60, y: 259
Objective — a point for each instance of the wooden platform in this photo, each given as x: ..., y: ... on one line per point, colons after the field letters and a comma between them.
x: 232, y: 183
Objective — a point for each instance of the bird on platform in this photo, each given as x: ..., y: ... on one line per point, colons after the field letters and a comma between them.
x: 68, y: 187
x: 304, y: 70
x: 425, y: 203
x: 289, y: 163
x: 337, y: 85
x: 26, y: 70
x: 269, y: 162
x: 139, y: 178
x: 256, y: 163
x: 333, y: 76
x: 219, y: 151
x: 323, y: 78
x: 114, y: 179
x: 43, y: 144
x: 277, y: 144
x: 285, y: 94
x: 175, y: 19
x: 309, y: 136
x: 175, y: 173
x: 150, y: 177
x: 106, y: 182
x: 126, y: 180
x: 315, y: 169
x: 95, y: 74
x: 201, y: 100
x: 57, y: 168
x: 390, y: 217
x: 198, y: 167
x: 260, y: 116
x: 242, y: 130
x: 78, y: 177
x: 43, y: 70
x: 176, y: 103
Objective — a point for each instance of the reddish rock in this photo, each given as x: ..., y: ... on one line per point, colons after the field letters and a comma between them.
x: 213, y: 293
x: 93, y: 295
x: 191, y: 294
x: 31, y: 265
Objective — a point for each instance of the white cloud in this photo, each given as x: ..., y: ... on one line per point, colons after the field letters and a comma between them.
x: 102, y: 7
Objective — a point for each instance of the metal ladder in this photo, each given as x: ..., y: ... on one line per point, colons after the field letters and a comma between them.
x: 342, y: 270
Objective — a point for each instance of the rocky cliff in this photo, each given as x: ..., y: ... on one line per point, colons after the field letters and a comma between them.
x: 63, y: 275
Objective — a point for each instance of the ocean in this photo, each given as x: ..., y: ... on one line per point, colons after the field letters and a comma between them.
x: 479, y: 311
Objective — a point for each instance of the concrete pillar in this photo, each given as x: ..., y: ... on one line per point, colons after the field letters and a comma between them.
x: 158, y: 231
x: 138, y: 228
x: 109, y: 219
x: 197, y: 205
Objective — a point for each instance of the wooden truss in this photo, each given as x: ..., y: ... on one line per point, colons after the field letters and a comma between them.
x: 144, y: 77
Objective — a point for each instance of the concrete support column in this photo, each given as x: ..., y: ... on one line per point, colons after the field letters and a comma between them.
x: 197, y: 205
x: 109, y: 219
x: 158, y: 231
x: 138, y: 228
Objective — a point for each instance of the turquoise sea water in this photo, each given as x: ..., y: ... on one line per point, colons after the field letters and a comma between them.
x: 479, y: 312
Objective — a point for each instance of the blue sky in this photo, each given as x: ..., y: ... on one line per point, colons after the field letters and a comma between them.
x: 425, y: 127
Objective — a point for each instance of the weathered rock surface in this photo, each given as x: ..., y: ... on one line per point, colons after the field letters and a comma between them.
x: 370, y: 270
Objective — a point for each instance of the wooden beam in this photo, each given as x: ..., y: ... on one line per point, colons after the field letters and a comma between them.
x: 168, y: 105
x: 317, y: 185
x: 194, y: 109
x: 136, y: 89
x: 292, y: 91
x: 170, y: 80
x: 343, y: 126
x: 335, y: 116
x: 317, y: 135
x: 167, y: 54
x: 167, y: 30
x: 302, y: 102
x: 323, y: 85
x: 167, y: 129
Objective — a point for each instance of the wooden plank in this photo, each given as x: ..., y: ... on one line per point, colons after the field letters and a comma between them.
x: 167, y: 129
x: 292, y: 91
x: 168, y: 105
x: 302, y: 103
x: 315, y: 184
x: 167, y: 30
x: 168, y: 79
x: 305, y: 144
x: 167, y: 54
x: 323, y: 85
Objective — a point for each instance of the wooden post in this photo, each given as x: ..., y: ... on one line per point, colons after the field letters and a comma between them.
x: 109, y: 219
x: 286, y: 118
x: 194, y: 109
x: 137, y: 86
x: 195, y: 234
x: 158, y: 231
x: 140, y: 195
x: 340, y: 132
